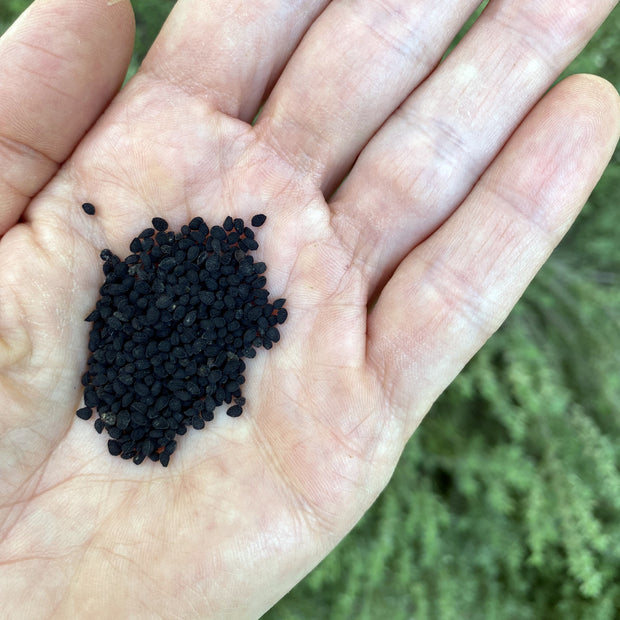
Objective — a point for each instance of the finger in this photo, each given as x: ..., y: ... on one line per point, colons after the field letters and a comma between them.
x: 451, y: 292
x: 425, y: 160
x: 229, y: 53
x: 60, y: 64
x: 355, y: 66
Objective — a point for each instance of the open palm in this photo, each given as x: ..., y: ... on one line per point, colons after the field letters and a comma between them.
x: 392, y: 283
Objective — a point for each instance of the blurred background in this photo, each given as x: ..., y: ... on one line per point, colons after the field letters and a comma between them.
x: 506, y: 502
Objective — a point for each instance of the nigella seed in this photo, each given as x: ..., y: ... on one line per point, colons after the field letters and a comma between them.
x: 168, y: 334
x: 195, y: 223
x: 234, y: 411
x: 217, y: 232
x: 168, y: 263
x: 163, y: 301
x: 258, y: 220
x: 84, y: 413
x: 146, y: 233
x: 159, y: 224
x: 198, y: 423
x: 89, y: 208
x: 114, y: 447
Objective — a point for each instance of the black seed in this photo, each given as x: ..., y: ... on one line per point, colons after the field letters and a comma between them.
x: 198, y: 423
x: 171, y: 446
x: 273, y: 334
x: 195, y: 223
x: 89, y: 209
x: 160, y: 423
x: 90, y: 397
x: 258, y: 220
x: 163, y: 301
x: 234, y: 411
x: 217, y: 232
x: 146, y: 233
x: 122, y: 420
x: 168, y: 335
x: 85, y: 413
x: 114, y: 447
x: 168, y: 263
x: 159, y: 224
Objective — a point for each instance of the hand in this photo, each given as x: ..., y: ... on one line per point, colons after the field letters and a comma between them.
x: 459, y: 185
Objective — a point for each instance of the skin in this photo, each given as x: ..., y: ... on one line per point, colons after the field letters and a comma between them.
x: 461, y: 180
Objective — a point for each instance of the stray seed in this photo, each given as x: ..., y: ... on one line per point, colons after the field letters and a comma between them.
x: 258, y: 220
x: 234, y: 411
x: 89, y: 208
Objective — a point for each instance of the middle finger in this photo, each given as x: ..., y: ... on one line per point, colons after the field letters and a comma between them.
x: 356, y: 64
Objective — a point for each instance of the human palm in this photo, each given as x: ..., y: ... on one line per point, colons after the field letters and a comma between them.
x: 392, y: 283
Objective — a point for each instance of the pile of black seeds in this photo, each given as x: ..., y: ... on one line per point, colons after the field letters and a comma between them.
x: 170, y: 331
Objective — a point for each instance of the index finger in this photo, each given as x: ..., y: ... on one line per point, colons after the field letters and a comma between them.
x: 60, y: 64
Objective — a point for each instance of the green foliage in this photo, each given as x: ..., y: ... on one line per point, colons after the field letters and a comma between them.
x: 150, y: 15
x: 9, y: 10
x: 506, y: 502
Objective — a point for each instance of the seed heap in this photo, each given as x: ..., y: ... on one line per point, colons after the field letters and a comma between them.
x: 168, y: 334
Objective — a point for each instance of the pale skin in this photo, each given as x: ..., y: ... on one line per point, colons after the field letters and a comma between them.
x: 450, y: 206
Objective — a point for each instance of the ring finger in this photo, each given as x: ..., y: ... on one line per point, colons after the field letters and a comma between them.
x: 428, y: 156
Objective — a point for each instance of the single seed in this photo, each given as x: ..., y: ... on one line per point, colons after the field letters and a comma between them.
x: 195, y: 223
x: 234, y: 411
x: 159, y: 224
x: 146, y: 233
x: 258, y: 220
x: 114, y: 447
x: 85, y: 413
x: 89, y: 208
